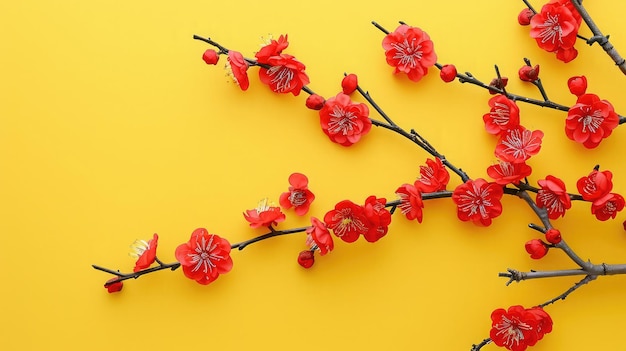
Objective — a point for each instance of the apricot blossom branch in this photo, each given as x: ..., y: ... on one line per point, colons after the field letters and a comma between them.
x: 124, y: 276
x: 273, y: 233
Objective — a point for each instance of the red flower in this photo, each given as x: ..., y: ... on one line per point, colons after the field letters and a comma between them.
x: 264, y: 215
x: 344, y: 121
x: 239, y: 68
x: 411, y: 203
x: 210, y: 57
x: 553, y: 197
x: 273, y: 48
x: 595, y: 185
x: 553, y: 236
x: 306, y: 258
x: 536, y: 248
x: 607, y: 206
x: 545, y: 322
x: 319, y: 237
x: 144, y: 252
x: 509, y: 173
x: 524, y: 16
x: 498, y: 83
x: 349, y: 83
x: 590, y: 120
x: 528, y: 73
x: 448, y: 73
x: 378, y: 216
x: 113, y: 286
x: 504, y: 115
x: 285, y: 76
x: 515, y: 328
x: 347, y: 221
x: 315, y: 102
x: 518, y: 144
x: 478, y: 201
x: 433, y: 176
x: 555, y: 29
x: 409, y: 50
x: 299, y: 196
x: 577, y: 85
x: 204, y: 257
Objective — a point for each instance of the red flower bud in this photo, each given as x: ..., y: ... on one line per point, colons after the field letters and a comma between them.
x: 315, y: 102
x: 349, y: 83
x: 499, y: 83
x: 210, y: 57
x: 553, y: 236
x: 577, y: 85
x: 447, y: 73
x: 306, y: 258
x: 528, y: 73
x: 524, y: 17
x: 536, y: 248
x: 114, y: 287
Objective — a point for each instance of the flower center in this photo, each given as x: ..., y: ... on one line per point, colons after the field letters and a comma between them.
x: 297, y: 198
x: 408, y: 53
x: 281, y: 78
x: 475, y: 201
x: 203, y: 256
x: 501, y: 114
x: 341, y: 121
x: 518, y: 143
x: 347, y: 223
x: 591, y: 122
x: 551, y: 29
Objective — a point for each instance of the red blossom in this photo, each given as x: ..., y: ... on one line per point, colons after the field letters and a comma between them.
x: 509, y: 173
x: 536, y: 248
x: 448, y: 73
x: 524, y: 16
x: 590, y: 120
x: 553, y: 236
x: 239, y: 68
x: 504, y: 115
x: 478, y: 201
x: 315, y: 102
x: 349, y: 83
x: 378, y: 217
x: 273, y: 48
x: 204, y: 257
x: 319, y: 237
x: 264, y: 215
x: 113, y: 286
x: 545, y: 322
x: 607, y: 206
x: 210, y: 57
x: 553, y: 197
x: 577, y: 85
x: 555, y: 29
x: 347, y: 221
x: 144, y: 252
x: 410, y: 50
x: 433, y: 176
x: 515, y: 328
x: 595, y: 185
x: 528, y: 73
x: 286, y: 74
x: 518, y: 144
x: 299, y: 196
x: 411, y: 203
x: 306, y: 258
x: 344, y: 121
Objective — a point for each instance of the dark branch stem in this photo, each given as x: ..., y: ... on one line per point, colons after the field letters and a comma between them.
x: 582, y: 282
x: 124, y: 276
x: 273, y: 232
x: 482, y: 343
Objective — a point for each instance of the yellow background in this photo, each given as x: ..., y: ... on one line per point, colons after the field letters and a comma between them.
x: 112, y: 129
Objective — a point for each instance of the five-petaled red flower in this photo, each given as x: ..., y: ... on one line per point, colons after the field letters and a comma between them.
x: 553, y: 197
x: 433, y: 176
x: 286, y: 74
x: 555, y: 29
x: 607, y: 206
x: 273, y: 48
x: 319, y: 237
x: 347, y: 221
x: 509, y: 173
x: 144, y: 252
x: 344, y: 121
x: 204, y: 257
x: 409, y: 50
x: 264, y: 215
x: 590, y: 120
x: 518, y: 144
x: 299, y: 196
x: 239, y: 69
x: 516, y: 328
x: 378, y: 217
x: 411, y: 203
x: 478, y: 201
x: 504, y: 115
x: 595, y: 185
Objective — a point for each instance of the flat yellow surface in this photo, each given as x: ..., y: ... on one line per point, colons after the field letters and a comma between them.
x: 112, y: 129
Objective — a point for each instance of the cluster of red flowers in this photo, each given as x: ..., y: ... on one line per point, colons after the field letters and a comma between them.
x: 517, y: 327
